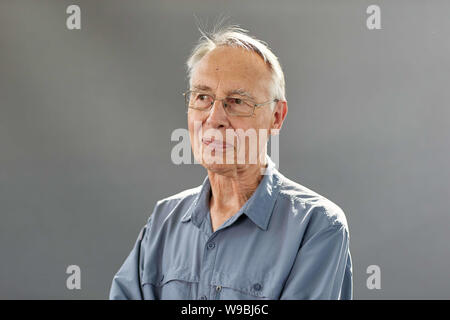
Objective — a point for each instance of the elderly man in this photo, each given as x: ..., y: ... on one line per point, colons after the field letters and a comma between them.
x: 247, y: 232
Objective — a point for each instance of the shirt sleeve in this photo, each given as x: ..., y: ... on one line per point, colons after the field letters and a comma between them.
x: 126, y: 284
x: 322, y: 268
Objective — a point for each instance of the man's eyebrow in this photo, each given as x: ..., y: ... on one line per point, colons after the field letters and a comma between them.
x: 241, y: 92
x: 202, y: 87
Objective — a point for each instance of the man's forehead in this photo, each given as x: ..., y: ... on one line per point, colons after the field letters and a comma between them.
x: 233, y: 69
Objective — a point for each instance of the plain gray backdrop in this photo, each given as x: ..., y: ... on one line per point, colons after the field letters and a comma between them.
x: 86, y: 118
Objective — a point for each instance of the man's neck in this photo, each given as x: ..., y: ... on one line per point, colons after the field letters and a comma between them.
x: 231, y: 191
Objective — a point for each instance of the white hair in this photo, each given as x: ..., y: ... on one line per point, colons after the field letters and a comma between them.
x: 234, y: 36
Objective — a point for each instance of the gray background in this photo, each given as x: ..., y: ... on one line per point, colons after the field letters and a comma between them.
x: 86, y: 118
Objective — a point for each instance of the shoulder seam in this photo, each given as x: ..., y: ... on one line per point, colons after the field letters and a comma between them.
x: 333, y: 222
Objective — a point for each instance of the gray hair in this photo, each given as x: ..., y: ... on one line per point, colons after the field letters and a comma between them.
x: 234, y: 36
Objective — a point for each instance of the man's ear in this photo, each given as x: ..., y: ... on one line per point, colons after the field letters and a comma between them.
x: 279, y: 114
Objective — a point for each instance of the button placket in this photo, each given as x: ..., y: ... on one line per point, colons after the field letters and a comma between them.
x: 207, y: 268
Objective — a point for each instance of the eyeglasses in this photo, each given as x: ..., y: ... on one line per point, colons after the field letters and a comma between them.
x: 234, y: 106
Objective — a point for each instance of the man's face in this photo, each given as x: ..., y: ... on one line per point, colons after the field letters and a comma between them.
x: 220, y: 73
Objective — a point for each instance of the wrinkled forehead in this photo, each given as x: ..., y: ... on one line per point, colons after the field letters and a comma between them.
x: 229, y: 68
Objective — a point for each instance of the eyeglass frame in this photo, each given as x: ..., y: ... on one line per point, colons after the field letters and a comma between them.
x: 253, y: 104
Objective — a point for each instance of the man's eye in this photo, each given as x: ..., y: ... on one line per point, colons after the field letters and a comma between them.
x: 202, y: 97
x: 237, y: 101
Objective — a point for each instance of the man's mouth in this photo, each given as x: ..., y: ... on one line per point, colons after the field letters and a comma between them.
x: 216, y: 144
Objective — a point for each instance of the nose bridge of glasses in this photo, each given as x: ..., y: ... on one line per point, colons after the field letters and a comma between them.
x: 217, y: 105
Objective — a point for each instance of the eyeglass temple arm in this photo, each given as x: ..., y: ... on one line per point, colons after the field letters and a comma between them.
x: 264, y: 103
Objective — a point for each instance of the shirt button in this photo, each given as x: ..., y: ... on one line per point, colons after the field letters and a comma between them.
x: 211, y: 245
x: 218, y: 288
x: 203, y: 298
x: 257, y: 286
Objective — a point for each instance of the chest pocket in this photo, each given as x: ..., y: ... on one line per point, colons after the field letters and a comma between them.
x: 174, y: 284
x: 245, y: 287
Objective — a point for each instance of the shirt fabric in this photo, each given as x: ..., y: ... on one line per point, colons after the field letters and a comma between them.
x: 286, y: 242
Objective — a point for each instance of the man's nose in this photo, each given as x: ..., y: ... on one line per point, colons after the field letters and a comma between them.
x: 217, y: 116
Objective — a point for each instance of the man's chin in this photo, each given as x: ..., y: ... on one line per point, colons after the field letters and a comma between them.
x: 217, y: 167
x: 225, y: 169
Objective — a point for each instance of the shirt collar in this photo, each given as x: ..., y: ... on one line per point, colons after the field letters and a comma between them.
x: 200, y: 205
x: 258, y: 208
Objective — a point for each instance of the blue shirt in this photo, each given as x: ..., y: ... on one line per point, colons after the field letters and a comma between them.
x: 286, y: 242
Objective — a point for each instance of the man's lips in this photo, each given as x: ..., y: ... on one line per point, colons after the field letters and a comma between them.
x: 216, y: 144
